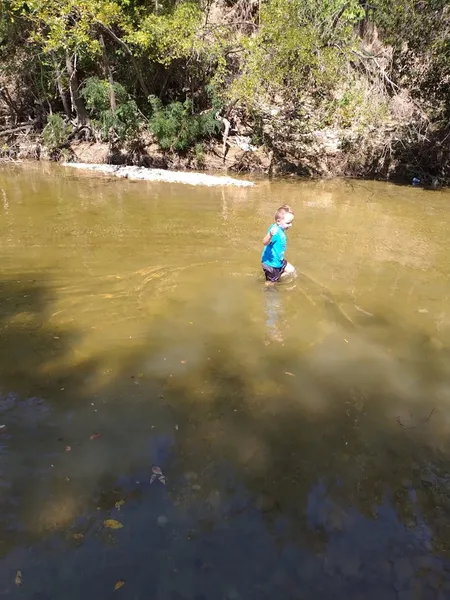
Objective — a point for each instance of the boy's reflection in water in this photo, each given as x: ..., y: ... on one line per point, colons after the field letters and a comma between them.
x: 274, y: 307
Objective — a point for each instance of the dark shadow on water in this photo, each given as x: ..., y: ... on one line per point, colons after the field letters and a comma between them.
x: 29, y: 342
x: 288, y: 474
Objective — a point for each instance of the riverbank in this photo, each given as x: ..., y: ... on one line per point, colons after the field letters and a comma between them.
x: 149, y: 155
x: 282, y: 89
x: 327, y: 153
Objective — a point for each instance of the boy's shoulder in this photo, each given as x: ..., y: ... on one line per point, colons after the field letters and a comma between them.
x: 279, y: 231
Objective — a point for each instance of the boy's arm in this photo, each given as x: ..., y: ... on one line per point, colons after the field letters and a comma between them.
x: 268, y: 238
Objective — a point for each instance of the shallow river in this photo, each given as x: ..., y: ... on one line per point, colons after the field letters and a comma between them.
x: 299, y: 435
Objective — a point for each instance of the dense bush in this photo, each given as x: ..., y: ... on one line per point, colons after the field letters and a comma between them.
x: 122, y: 122
x: 56, y: 132
x: 176, y: 127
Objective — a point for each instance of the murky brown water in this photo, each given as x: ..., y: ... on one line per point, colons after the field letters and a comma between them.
x: 303, y: 431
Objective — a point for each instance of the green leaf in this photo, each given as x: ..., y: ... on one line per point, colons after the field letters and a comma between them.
x: 113, y: 524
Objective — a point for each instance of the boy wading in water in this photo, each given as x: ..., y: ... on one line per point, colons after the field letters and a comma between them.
x: 273, y: 262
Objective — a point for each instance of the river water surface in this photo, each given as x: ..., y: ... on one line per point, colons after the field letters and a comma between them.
x: 299, y: 435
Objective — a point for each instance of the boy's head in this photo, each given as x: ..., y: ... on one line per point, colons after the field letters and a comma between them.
x: 284, y: 217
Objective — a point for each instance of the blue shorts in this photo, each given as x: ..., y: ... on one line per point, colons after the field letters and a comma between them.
x: 273, y: 273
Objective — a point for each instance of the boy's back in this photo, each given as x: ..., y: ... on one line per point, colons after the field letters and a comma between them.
x: 272, y: 258
x: 273, y: 253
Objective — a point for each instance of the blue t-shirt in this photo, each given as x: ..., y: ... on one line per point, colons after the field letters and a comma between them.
x: 273, y: 253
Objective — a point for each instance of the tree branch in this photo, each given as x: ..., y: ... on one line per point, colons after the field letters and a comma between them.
x: 131, y: 55
x: 16, y: 129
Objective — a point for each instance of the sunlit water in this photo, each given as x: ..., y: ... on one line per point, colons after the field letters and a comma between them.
x: 303, y: 431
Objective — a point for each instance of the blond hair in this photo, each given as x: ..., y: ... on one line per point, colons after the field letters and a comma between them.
x: 283, y: 210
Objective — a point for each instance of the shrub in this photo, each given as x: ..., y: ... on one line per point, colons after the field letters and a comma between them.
x: 96, y: 92
x: 124, y: 122
x: 199, y: 153
x: 176, y: 127
x: 56, y: 132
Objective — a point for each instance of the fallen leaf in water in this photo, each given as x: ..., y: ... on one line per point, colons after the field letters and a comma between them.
x: 176, y: 427
x: 119, y: 504
x: 68, y: 448
x: 157, y: 471
x: 141, y: 375
x: 113, y: 524
x: 152, y: 478
x: 94, y: 436
x: 288, y: 373
x: 78, y: 536
x: 119, y: 584
x: 18, y: 579
x: 183, y: 362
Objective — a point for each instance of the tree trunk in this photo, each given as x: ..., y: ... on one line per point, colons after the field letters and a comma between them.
x: 133, y: 60
x: 226, y: 131
x: 109, y: 74
x: 77, y: 100
x: 363, y: 24
x: 15, y: 111
x: 61, y: 91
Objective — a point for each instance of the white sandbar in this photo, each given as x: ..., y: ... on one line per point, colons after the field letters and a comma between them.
x: 161, y: 175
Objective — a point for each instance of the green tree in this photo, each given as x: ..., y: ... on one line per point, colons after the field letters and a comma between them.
x: 419, y: 32
x: 300, y: 43
x: 69, y: 31
x: 169, y: 35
